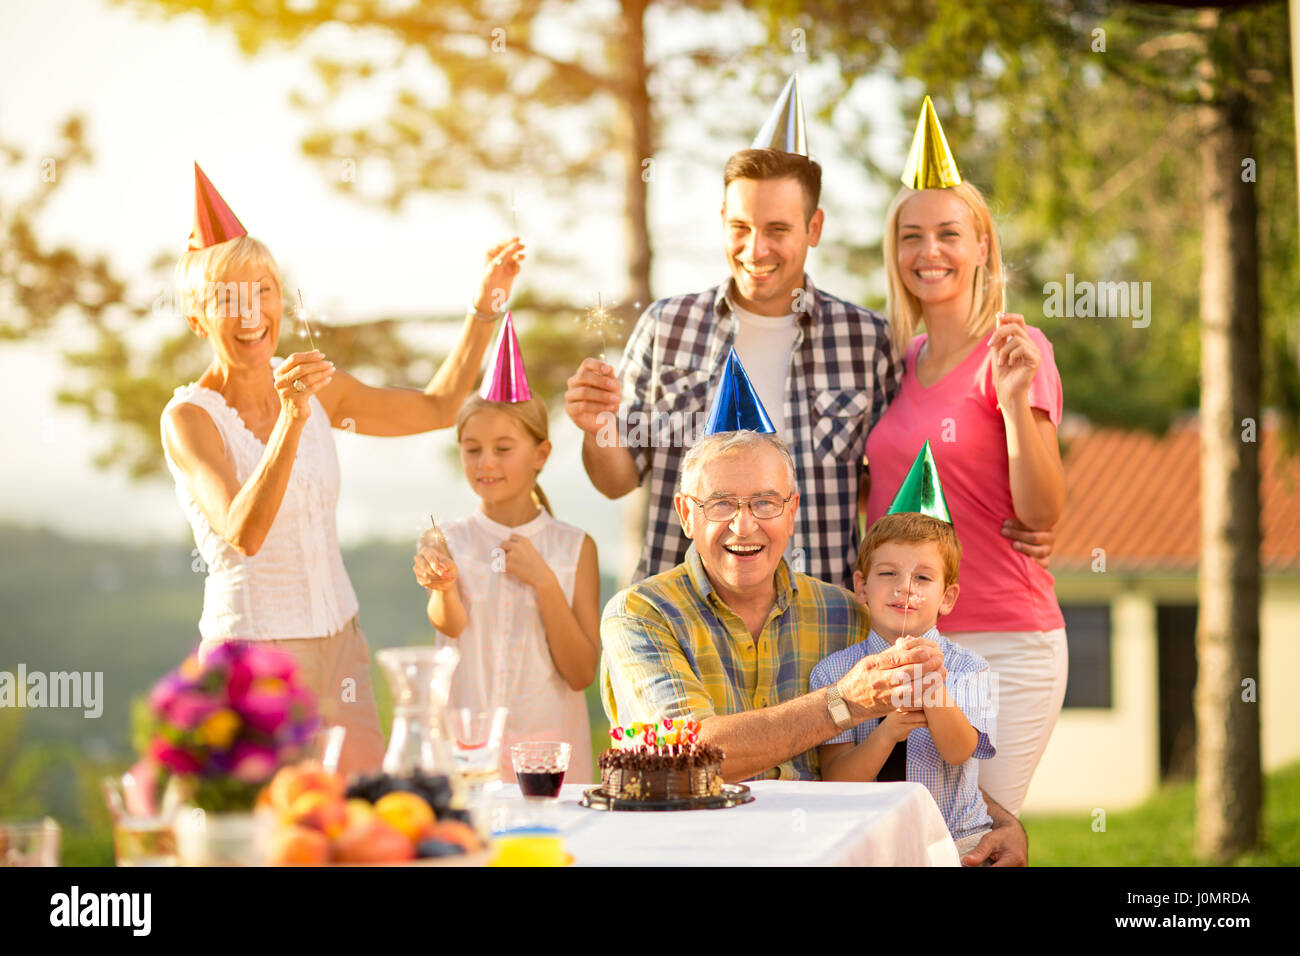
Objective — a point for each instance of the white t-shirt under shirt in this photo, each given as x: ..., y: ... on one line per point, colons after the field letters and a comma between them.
x: 764, y: 344
x: 505, y: 659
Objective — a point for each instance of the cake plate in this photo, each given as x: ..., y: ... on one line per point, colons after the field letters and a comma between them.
x: 733, y: 795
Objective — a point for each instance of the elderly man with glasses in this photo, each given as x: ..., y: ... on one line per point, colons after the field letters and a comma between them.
x: 731, y: 635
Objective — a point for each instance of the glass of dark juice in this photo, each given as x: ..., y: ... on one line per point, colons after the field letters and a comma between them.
x: 540, y: 767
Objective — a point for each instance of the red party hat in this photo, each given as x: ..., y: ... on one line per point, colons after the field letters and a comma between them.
x: 507, y: 381
x: 213, y: 220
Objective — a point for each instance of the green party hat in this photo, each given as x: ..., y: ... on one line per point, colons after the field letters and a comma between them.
x: 921, y: 491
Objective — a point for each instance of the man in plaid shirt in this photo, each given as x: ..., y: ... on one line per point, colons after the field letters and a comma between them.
x: 731, y: 635
x: 825, y: 368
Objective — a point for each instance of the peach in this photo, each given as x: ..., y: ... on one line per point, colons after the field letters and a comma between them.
x: 405, y: 811
x: 319, y: 811
x: 292, y: 782
x: 298, y: 846
x: 357, y: 812
x: 373, y: 842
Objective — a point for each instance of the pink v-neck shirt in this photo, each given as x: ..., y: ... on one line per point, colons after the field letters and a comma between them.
x: 1001, y: 589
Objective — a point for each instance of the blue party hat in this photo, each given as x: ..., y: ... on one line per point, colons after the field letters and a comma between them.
x: 737, y: 407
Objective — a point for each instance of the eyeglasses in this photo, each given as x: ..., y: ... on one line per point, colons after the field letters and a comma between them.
x: 761, y: 507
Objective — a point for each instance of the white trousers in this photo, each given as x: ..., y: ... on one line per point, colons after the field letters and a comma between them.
x: 1029, y: 670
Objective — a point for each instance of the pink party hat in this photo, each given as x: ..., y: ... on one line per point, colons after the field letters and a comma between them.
x: 214, y: 222
x: 507, y: 381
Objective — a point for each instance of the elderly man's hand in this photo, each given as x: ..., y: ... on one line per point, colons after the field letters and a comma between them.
x: 1006, y: 844
x: 1002, y: 846
x: 891, y: 679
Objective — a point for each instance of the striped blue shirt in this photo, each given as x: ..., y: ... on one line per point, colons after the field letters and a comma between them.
x: 955, y: 789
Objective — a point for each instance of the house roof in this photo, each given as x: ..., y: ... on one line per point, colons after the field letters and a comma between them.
x: 1136, y: 496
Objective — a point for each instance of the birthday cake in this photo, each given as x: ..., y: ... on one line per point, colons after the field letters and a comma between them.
x: 661, y: 761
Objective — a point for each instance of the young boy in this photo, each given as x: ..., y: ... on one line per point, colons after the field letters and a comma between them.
x: 907, y: 576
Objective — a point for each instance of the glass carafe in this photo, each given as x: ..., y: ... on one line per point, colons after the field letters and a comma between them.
x: 420, y: 678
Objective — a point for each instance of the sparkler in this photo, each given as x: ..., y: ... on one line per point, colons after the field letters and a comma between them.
x: 596, y: 319
x: 302, y: 314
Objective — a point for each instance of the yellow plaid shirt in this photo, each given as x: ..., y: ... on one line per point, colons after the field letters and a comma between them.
x: 673, y: 648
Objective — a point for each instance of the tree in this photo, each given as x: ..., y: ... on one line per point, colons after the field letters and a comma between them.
x: 510, y: 100
x: 488, y: 94
x: 1082, y: 114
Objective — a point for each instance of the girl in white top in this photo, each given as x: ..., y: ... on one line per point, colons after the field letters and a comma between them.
x: 516, y: 591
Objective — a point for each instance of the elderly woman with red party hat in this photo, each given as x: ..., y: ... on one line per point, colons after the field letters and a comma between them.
x: 250, y: 448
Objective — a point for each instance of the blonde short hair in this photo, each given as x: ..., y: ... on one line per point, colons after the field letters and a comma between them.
x: 904, y: 309
x: 200, y: 290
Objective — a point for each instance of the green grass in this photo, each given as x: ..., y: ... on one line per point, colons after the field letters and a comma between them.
x: 1161, y: 831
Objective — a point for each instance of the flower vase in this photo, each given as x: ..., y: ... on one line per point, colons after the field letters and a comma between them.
x: 228, y: 838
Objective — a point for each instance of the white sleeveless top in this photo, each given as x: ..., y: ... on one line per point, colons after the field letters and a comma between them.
x: 295, y: 586
x: 505, y: 659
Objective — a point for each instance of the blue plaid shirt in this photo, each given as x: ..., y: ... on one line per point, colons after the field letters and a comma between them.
x: 843, y: 373
x: 955, y: 789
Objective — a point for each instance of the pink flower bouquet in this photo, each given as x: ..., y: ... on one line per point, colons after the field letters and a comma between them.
x: 225, y: 725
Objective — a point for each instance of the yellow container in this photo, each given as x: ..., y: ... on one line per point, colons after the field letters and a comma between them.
x: 533, y: 847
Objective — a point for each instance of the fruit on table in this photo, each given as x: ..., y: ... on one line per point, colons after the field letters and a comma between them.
x: 405, y: 811
x: 373, y: 842
x: 435, y: 788
x: 453, y: 831
x: 292, y: 782
x: 427, y: 849
x: 298, y: 846
x: 356, y: 812
x: 320, y: 811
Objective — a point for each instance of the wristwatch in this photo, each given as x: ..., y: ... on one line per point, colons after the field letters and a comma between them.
x: 838, y: 709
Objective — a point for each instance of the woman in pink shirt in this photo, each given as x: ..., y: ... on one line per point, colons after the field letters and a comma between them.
x: 983, y: 387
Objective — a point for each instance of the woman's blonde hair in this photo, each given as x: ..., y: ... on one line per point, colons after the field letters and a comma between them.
x: 200, y: 289
x: 904, y: 309
x: 531, y: 415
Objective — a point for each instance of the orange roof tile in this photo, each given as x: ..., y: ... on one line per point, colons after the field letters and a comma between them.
x: 1138, y: 497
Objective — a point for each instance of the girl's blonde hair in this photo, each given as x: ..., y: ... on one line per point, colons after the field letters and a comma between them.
x: 200, y: 290
x: 904, y: 309
x: 531, y: 415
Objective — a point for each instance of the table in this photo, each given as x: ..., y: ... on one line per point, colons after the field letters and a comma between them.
x: 790, y: 823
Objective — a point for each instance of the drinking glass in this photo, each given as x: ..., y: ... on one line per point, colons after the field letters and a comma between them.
x: 29, y: 842
x: 143, y: 814
x: 476, y: 745
x: 540, y: 767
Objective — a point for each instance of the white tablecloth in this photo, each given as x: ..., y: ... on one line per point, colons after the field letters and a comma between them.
x: 789, y: 823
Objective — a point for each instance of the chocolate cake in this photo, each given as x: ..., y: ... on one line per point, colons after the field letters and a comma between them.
x: 654, y: 762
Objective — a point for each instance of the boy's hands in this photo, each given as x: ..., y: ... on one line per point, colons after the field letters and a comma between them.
x: 434, y: 569
x: 899, y: 723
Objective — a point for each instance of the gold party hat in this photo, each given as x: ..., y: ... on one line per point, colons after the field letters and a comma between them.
x: 784, y: 128
x: 930, y: 164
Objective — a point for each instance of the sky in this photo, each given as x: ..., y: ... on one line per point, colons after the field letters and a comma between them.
x: 160, y: 94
